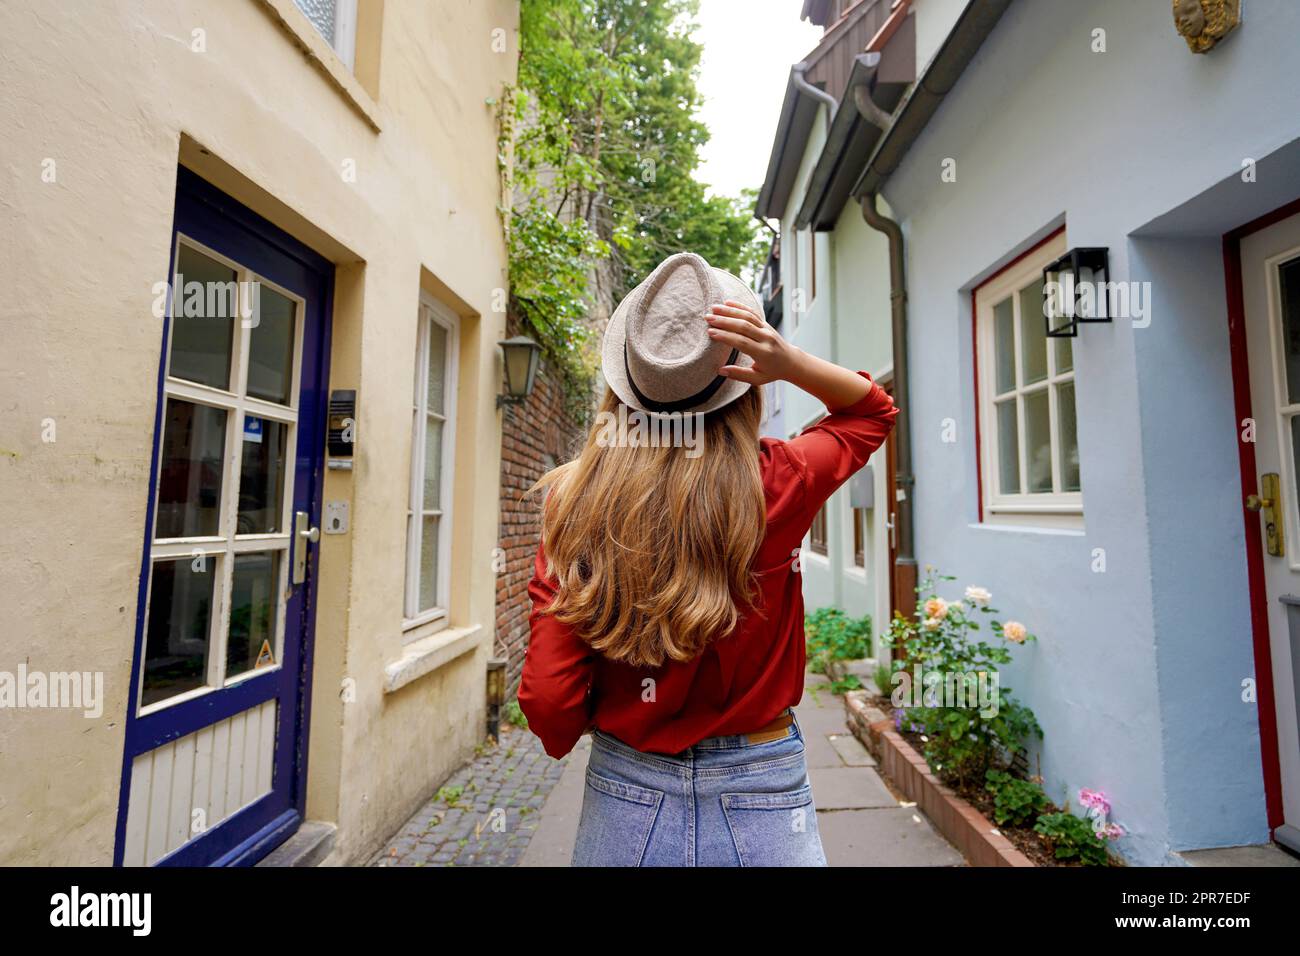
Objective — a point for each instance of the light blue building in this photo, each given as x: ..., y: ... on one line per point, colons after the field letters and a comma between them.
x: 1130, y: 492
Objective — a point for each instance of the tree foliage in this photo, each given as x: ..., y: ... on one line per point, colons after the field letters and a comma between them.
x: 606, y: 149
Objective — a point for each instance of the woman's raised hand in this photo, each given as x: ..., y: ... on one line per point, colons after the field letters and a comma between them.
x: 737, y: 325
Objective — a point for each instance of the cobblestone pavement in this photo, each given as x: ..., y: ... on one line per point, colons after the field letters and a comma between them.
x: 485, y: 813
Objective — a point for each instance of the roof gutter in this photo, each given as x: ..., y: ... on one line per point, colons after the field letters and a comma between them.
x: 803, y: 86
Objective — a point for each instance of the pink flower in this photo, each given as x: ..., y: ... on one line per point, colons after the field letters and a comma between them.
x: 1015, y: 632
x: 1095, y: 799
x: 1113, y: 831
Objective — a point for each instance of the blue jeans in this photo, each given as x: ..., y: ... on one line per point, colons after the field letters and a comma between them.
x: 722, y: 802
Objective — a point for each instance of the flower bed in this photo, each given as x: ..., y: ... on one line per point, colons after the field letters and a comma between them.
x: 956, y: 740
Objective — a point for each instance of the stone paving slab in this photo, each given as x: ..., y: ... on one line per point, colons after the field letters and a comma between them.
x: 1264, y: 854
x: 850, y: 750
x: 849, y: 788
x: 895, y: 836
x: 819, y: 751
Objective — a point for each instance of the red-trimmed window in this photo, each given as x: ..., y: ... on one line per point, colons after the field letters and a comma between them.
x: 1028, y: 439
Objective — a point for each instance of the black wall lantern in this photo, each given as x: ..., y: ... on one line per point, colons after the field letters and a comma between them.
x: 1076, y: 289
x: 521, y: 355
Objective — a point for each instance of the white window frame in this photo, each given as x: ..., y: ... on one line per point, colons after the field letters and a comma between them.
x: 1056, y: 508
x: 431, y: 311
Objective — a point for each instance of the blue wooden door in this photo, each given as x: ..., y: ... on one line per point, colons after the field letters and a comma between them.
x: 216, y: 737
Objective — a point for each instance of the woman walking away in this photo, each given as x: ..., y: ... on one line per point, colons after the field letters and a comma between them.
x: 667, y: 615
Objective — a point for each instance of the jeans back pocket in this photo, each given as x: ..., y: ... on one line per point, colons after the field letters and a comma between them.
x: 616, y: 821
x: 774, y: 829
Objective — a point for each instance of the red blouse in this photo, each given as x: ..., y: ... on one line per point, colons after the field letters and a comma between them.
x: 742, y: 680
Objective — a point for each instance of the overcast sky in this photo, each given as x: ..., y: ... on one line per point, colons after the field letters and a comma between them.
x: 749, y: 47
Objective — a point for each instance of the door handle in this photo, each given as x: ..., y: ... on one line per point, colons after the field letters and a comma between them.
x: 1269, y: 505
x: 302, y: 536
x: 890, y: 525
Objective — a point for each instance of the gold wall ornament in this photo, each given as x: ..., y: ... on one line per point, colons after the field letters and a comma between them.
x: 1203, y: 23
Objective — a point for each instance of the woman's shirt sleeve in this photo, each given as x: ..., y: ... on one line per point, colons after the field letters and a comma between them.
x: 553, y: 690
x: 825, y: 454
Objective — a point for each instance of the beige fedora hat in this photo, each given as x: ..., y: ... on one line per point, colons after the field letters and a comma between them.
x: 657, y: 355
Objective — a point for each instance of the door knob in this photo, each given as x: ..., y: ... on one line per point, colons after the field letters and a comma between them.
x: 303, y: 534
x: 1269, y: 505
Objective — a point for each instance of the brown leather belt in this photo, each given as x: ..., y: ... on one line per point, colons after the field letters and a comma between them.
x: 773, y: 731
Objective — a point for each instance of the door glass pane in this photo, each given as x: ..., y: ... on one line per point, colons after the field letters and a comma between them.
x: 1038, y: 442
x: 180, y: 612
x: 1069, y: 438
x: 432, y: 465
x: 437, y: 366
x: 429, y: 563
x: 1008, y: 448
x: 204, y: 306
x: 1294, y: 425
x: 189, y: 477
x: 253, y: 608
x: 1033, y: 334
x: 270, y: 347
x: 261, y: 476
x: 1004, y: 346
x: 1288, y: 275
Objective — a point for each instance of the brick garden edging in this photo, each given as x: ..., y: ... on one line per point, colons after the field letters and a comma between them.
x: 965, y: 827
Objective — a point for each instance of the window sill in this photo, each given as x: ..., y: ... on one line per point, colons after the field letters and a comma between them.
x: 1039, y: 527
x: 322, y: 56
x: 423, y: 656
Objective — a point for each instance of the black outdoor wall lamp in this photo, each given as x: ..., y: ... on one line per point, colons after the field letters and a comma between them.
x: 1075, y: 289
x: 521, y: 355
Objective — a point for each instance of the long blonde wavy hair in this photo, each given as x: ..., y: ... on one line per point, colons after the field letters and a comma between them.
x: 654, y: 548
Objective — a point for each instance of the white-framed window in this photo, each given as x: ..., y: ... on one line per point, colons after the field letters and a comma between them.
x: 1029, y: 447
x: 336, y: 21
x: 433, y: 441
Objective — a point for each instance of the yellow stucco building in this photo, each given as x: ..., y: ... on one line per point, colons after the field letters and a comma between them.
x: 250, y: 518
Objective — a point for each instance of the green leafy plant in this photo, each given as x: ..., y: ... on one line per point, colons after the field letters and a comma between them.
x: 963, y: 739
x: 883, y: 678
x: 834, y: 636
x: 512, y: 713
x: 1073, y: 838
x: 1015, y: 801
x: 843, y: 685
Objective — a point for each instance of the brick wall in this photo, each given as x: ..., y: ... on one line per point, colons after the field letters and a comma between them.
x: 535, y: 436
